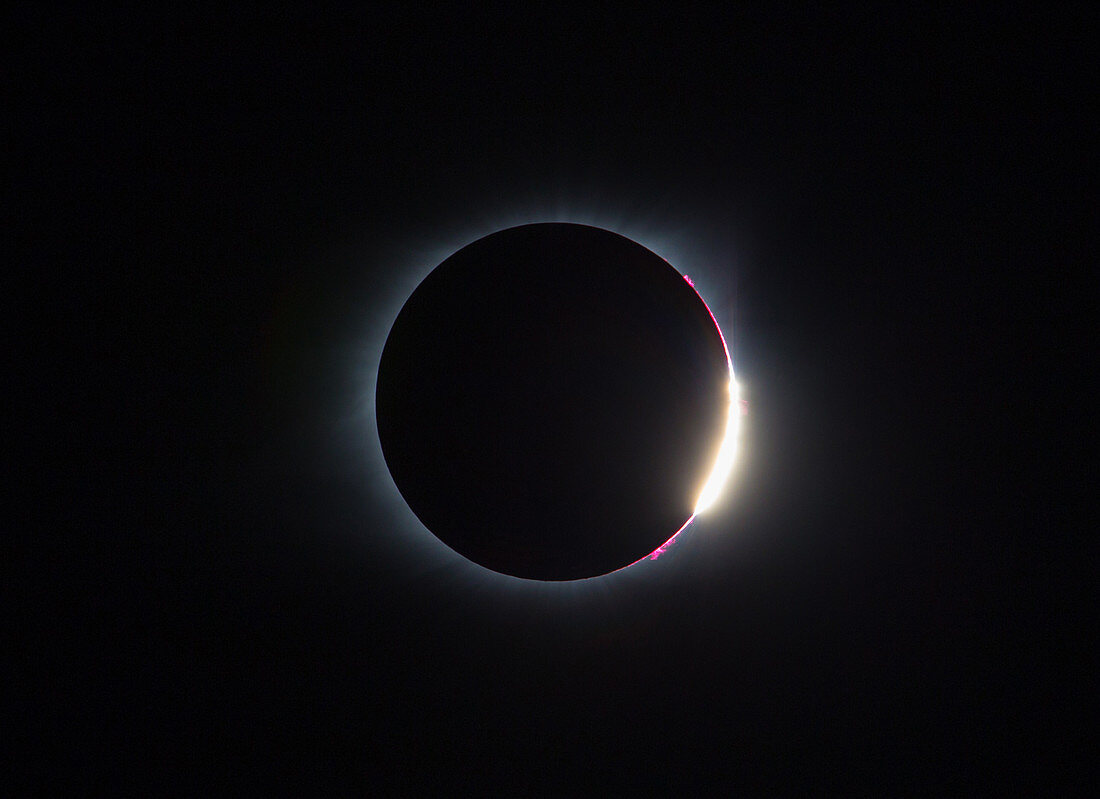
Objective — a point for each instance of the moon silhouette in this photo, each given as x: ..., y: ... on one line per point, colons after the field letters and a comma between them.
x: 551, y: 399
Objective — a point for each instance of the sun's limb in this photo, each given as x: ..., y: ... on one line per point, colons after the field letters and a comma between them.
x: 727, y: 452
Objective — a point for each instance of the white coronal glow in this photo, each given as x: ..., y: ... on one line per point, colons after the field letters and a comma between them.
x: 727, y: 453
x: 412, y: 263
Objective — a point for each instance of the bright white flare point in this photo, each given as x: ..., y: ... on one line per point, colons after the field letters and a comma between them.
x: 727, y: 453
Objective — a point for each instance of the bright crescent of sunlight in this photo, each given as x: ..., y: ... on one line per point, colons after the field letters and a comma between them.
x: 727, y: 453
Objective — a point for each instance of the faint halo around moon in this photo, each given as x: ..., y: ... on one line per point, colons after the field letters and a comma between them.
x: 551, y: 399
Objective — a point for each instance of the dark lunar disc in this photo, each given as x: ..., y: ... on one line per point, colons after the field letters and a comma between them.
x: 551, y: 400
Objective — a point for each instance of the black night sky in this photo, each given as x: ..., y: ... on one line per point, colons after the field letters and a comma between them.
x: 210, y: 581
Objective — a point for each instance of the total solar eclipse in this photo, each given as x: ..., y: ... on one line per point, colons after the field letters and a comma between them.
x: 555, y: 402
